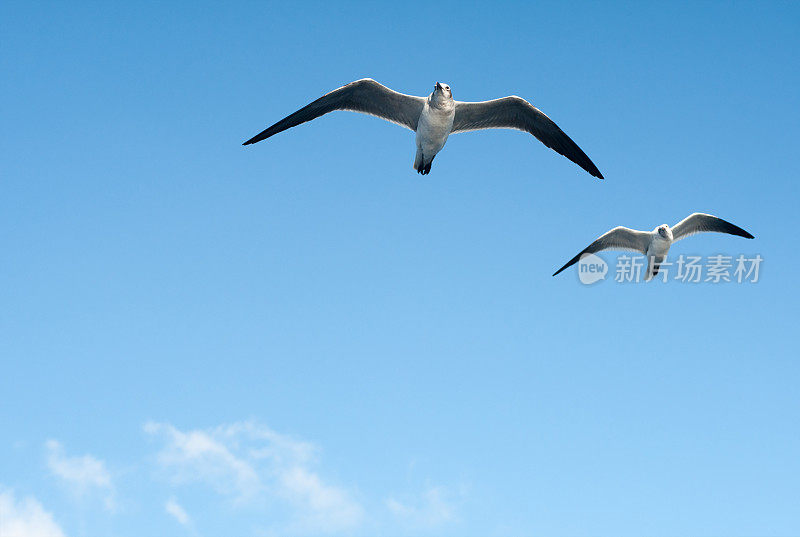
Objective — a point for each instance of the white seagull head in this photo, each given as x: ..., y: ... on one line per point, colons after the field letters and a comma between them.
x: 664, y: 232
x: 442, y: 90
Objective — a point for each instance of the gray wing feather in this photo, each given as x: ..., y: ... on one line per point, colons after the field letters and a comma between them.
x: 366, y: 96
x: 517, y: 113
x: 700, y: 222
x: 619, y: 238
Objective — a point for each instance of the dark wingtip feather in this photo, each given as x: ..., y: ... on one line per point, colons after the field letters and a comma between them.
x: 736, y: 230
x: 254, y: 139
x: 568, y: 264
x: 591, y: 168
x: 582, y: 160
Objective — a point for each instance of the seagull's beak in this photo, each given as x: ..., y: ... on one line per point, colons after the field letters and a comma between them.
x: 438, y: 85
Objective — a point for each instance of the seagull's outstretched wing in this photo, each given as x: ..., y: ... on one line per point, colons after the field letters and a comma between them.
x: 366, y: 96
x: 619, y: 238
x: 699, y: 222
x: 517, y: 113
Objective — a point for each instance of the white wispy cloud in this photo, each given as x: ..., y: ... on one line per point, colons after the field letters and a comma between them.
x: 25, y: 518
x: 324, y: 506
x: 434, y: 507
x: 84, y: 475
x: 203, y: 456
x: 178, y: 513
x: 248, y: 462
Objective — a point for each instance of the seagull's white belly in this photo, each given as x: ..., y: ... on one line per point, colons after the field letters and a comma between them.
x: 433, y: 129
x: 658, y: 248
x: 656, y: 253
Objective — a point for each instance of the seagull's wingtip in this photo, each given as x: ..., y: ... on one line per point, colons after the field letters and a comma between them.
x: 592, y: 170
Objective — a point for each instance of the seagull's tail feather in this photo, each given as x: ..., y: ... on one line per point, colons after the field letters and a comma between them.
x: 418, y: 160
x: 422, y: 167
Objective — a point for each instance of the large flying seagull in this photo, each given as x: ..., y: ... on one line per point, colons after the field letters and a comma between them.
x: 435, y: 117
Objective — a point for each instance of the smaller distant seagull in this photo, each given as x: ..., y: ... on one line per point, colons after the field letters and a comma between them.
x: 655, y: 244
x: 435, y: 117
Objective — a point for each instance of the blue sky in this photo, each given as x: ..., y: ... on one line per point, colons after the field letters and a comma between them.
x: 306, y: 337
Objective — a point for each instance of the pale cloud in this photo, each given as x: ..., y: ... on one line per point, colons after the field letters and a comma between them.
x: 25, y: 518
x: 178, y: 513
x: 250, y: 463
x: 325, y: 505
x: 83, y: 475
x: 434, y: 507
x: 203, y: 456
